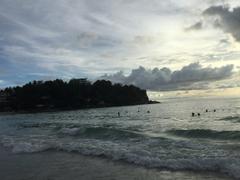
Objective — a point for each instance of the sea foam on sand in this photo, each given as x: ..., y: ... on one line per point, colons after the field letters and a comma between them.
x: 60, y: 165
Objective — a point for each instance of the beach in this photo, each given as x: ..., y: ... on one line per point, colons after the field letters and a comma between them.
x: 119, y: 90
x: 53, y: 165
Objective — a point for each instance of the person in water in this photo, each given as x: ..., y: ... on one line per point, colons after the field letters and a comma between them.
x: 193, y: 114
x: 118, y: 114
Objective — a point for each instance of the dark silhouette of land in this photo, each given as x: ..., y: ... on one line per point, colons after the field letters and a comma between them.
x: 75, y: 94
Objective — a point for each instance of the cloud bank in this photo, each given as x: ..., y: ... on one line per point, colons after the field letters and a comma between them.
x: 165, y: 79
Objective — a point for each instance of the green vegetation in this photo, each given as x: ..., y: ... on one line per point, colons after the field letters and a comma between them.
x: 75, y: 94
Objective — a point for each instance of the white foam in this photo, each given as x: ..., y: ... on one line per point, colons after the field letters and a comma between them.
x: 28, y: 147
x: 130, y: 154
x: 23, y: 146
x: 70, y: 131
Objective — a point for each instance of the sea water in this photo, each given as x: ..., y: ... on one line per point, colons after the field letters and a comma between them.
x: 161, y: 136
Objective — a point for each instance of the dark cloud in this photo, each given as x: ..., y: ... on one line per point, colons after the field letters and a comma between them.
x: 226, y: 19
x: 196, y: 26
x: 165, y: 79
x: 224, y: 41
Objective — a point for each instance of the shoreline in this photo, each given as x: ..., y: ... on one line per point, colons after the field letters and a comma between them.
x: 51, y: 165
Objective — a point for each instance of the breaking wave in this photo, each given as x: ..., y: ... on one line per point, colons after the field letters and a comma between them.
x: 100, y: 132
x: 207, y: 133
x: 86, y: 131
x: 111, y: 150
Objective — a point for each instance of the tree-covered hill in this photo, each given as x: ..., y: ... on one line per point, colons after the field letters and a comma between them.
x: 74, y: 94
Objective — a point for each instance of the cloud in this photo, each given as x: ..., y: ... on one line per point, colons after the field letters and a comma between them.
x: 87, y: 38
x: 165, y: 79
x: 225, y: 18
x: 196, y: 26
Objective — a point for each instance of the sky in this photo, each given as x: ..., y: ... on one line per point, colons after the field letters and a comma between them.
x: 177, y: 46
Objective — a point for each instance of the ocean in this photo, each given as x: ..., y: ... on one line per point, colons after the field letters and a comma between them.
x: 158, y: 137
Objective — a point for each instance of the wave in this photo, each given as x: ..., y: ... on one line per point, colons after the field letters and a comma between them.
x: 100, y: 132
x: 231, y: 118
x: 46, y: 125
x: 36, y: 125
x: 22, y: 146
x: 110, y: 150
x: 207, y: 133
x: 86, y: 131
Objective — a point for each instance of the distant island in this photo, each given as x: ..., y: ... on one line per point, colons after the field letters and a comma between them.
x: 74, y: 94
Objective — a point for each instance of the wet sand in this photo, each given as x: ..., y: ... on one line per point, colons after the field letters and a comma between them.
x: 53, y: 165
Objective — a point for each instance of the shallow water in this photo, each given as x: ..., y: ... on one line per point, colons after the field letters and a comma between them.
x: 59, y: 165
x: 167, y: 138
